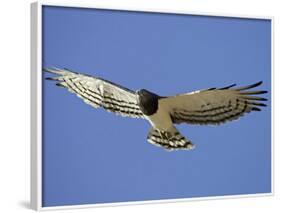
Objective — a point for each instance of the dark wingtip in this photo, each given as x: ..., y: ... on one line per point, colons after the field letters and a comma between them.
x: 256, y: 84
x: 254, y: 92
x: 51, y: 79
x: 256, y: 109
x: 227, y: 87
x: 60, y: 85
x: 258, y: 104
x: 213, y: 88
x: 249, y: 86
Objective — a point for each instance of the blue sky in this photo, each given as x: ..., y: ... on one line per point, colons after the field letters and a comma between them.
x: 92, y: 156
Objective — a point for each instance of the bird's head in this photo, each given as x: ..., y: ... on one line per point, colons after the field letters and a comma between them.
x: 143, y: 92
x: 147, y: 101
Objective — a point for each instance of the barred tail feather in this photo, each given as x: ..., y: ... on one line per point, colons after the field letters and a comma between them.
x: 169, y: 140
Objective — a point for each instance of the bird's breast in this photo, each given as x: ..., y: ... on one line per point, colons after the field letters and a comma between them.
x: 160, y: 119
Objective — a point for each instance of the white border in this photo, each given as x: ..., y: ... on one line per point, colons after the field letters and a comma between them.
x: 36, y: 102
x: 36, y: 107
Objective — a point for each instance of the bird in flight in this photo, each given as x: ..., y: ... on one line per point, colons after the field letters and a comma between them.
x: 211, y: 106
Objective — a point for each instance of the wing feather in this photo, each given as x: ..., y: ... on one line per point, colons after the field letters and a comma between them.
x: 214, y: 106
x: 98, y: 92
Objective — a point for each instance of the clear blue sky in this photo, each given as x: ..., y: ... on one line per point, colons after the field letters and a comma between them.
x: 92, y: 156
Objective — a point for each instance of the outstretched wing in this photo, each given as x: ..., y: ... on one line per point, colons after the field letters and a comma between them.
x: 214, y: 106
x: 98, y: 92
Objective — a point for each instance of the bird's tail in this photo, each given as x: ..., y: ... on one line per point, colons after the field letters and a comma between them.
x: 169, y: 140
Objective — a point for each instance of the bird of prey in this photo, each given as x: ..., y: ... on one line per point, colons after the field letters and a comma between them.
x: 211, y: 106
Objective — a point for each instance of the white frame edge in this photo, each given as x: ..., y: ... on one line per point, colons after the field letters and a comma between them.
x: 36, y: 107
x: 36, y: 102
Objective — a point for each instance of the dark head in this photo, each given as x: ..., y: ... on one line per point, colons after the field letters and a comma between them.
x: 147, y: 101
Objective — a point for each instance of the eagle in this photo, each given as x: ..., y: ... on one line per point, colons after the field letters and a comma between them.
x: 212, y: 106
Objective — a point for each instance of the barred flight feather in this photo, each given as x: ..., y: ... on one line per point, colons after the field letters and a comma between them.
x: 214, y: 106
x: 98, y: 92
